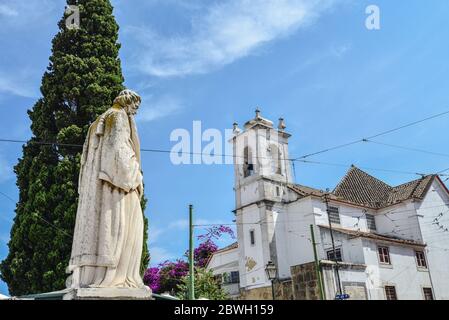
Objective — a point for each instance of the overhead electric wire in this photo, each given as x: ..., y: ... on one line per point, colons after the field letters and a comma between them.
x: 408, y: 148
x: 38, y: 216
x: 227, y: 155
x: 440, y: 172
x: 373, y: 136
x: 7, y: 197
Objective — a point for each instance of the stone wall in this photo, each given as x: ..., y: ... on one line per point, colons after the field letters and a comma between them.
x: 263, y: 293
x: 282, y: 290
x: 304, y: 282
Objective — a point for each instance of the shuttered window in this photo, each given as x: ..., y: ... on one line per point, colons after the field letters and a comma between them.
x: 332, y: 257
x: 384, y: 255
x: 334, y: 215
x: 390, y: 293
x: 420, y: 259
x: 428, y: 294
x: 371, y: 222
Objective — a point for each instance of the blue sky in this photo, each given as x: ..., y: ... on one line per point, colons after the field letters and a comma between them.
x: 312, y: 62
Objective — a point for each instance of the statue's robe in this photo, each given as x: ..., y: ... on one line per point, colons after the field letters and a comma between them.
x: 108, y: 237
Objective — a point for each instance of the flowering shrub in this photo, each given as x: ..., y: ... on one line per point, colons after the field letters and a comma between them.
x: 152, y: 279
x: 216, y: 232
x: 203, y: 252
x: 168, y: 276
x: 171, y: 274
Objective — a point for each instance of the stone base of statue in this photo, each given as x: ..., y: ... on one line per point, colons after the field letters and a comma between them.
x: 108, y: 294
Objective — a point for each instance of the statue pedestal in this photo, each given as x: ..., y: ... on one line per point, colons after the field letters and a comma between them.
x: 108, y: 294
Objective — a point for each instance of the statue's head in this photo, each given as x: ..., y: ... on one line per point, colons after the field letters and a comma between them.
x: 129, y: 100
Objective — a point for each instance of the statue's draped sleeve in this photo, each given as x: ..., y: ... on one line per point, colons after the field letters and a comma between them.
x: 119, y: 164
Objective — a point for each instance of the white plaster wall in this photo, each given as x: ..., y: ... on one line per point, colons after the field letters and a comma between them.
x: 437, y: 250
x: 351, y: 249
x: 226, y: 261
x: 346, y: 275
x: 299, y: 247
x: 280, y: 225
x: 403, y: 272
x: 352, y: 218
x: 250, y: 220
x: 249, y: 193
x: 399, y: 221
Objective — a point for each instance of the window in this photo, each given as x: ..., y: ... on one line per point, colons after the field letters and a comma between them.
x: 235, y: 277
x: 332, y: 257
x: 428, y: 294
x: 334, y: 215
x: 384, y: 255
x: 390, y: 293
x: 371, y: 222
x: 226, y: 278
x: 421, y: 259
x: 230, y: 277
x: 252, y: 237
x: 278, y: 191
x: 248, y: 167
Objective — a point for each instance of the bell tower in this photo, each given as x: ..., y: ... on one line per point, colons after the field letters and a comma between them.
x: 260, y: 154
x: 262, y: 171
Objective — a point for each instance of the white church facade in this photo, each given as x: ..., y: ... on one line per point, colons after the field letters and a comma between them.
x: 373, y: 241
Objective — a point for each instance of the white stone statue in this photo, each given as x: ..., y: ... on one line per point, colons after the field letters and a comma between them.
x: 108, y: 237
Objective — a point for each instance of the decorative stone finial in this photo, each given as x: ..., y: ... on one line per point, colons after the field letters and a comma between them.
x: 281, y: 125
x: 236, y: 130
x: 257, y: 113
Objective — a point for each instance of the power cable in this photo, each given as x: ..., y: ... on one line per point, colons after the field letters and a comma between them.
x: 408, y: 148
x: 373, y: 136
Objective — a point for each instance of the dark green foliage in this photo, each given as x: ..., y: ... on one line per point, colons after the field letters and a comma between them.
x: 81, y: 81
x: 206, y: 286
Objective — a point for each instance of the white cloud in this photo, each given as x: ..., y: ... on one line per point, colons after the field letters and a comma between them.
x: 159, y: 255
x: 157, y: 108
x: 6, y: 170
x: 153, y: 234
x: 29, y: 12
x: 179, y: 224
x: 17, y: 84
x: 224, y: 32
x: 8, y: 11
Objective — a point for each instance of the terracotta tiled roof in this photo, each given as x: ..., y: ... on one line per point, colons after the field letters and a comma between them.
x: 306, y: 191
x: 374, y: 236
x: 361, y: 188
x: 230, y: 247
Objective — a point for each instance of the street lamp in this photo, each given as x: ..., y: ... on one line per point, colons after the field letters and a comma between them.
x: 271, y: 271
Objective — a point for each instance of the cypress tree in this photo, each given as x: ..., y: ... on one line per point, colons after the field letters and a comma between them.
x: 83, y: 77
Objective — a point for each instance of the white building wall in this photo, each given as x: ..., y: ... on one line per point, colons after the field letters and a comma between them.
x: 436, y: 206
x: 353, y: 218
x: 251, y: 257
x: 226, y: 262
x: 300, y: 216
x: 280, y: 225
x: 399, y: 221
x: 351, y: 249
x: 403, y: 273
x: 249, y: 191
